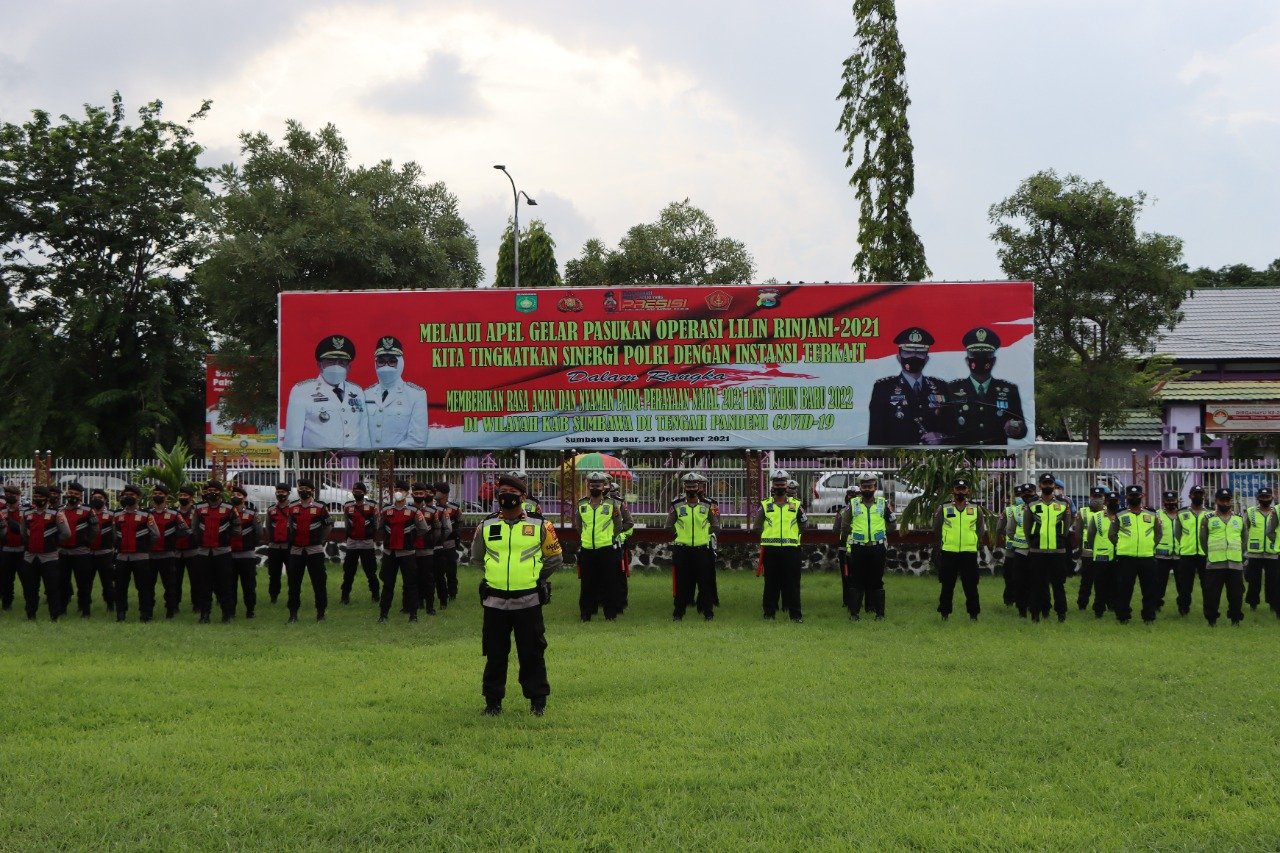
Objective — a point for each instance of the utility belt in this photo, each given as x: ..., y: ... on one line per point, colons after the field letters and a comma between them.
x: 510, y: 593
x: 601, y: 548
x: 1165, y: 552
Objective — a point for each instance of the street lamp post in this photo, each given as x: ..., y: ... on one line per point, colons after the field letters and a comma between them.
x: 515, y: 236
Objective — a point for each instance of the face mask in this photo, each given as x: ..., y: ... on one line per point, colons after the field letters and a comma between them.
x: 282, y: 497
x: 97, y: 503
x: 389, y: 375
x: 73, y: 501
x: 1018, y: 501
x: 40, y: 502
x: 596, y: 491
x: 982, y: 366
x: 507, y: 500
x: 212, y: 498
x: 157, y: 499
x: 128, y: 500
x: 1095, y: 503
x: 334, y: 374
x: 868, y: 493
x: 1264, y: 502
x: 1113, y: 505
x: 693, y: 493
x: 960, y: 495
x: 1224, y: 507
x: 359, y: 496
x: 1135, y: 501
x: 398, y: 496
x: 419, y: 499
x: 184, y: 501
x: 1197, y: 500
x: 779, y: 492
x: 305, y: 494
x: 236, y: 500
x: 914, y: 364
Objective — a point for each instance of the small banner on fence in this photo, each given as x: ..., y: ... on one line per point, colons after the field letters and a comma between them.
x: 242, y: 441
x: 836, y: 366
x: 1242, y: 417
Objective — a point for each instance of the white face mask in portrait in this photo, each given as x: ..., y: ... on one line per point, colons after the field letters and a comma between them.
x: 334, y: 374
x: 388, y: 375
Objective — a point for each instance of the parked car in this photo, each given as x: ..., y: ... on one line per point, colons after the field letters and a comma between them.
x: 260, y: 485
x: 829, y: 488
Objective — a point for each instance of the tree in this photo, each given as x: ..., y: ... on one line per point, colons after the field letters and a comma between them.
x: 1238, y: 275
x: 299, y: 216
x: 538, y: 267
x: 878, y: 136
x: 104, y: 334
x: 682, y: 247
x: 1103, y: 294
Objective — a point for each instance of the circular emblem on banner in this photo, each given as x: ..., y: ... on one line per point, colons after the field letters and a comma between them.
x: 324, y: 416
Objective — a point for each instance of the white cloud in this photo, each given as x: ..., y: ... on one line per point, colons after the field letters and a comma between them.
x: 1237, y: 87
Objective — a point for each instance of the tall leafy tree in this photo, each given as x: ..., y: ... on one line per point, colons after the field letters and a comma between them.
x: 538, y: 267
x: 104, y: 334
x: 878, y: 147
x: 682, y: 247
x: 1238, y: 275
x: 299, y: 216
x: 1104, y: 292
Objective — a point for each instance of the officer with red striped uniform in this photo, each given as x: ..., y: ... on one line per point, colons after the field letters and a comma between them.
x: 447, y: 554
x: 424, y: 503
x: 309, y: 525
x: 244, y: 554
x: 361, y: 518
x: 277, y: 535
x: 214, y: 523
x: 102, y: 550
x: 77, y: 527
x: 184, y: 551
x: 10, y: 544
x: 167, y: 525
x: 38, y: 527
x: 133, y: 555
x: 399, y: 525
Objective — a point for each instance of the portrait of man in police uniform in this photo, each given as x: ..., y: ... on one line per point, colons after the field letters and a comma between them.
x: 397, y: 409
x: 986, y: 410
x: 909, y: 408
x: 327, y: 412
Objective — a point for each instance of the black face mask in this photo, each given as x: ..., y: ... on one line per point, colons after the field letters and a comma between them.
x: 1264, y: 502
x: 915, y: 364
x: 72, y: 502
x: 1224, y: 507
x: 1113, y: 505
x: 281, y: 498
x: 960, y: 496
x: 236, y: 500
x: 596, y: 491
x: 128, y: 500
x: 692, y: 493
x: 184, y: 501
x: 981, y: 366
x: 40, y: 502
x: 1047, y: 491
x: 508, y: 500
x: 304, y: 493
x: 97, y: 503
x: 358, y: 496
x: 1170, y: 507
x: 157, y: 499
x: 779, y: 492
x: 1135, y: 501
x: 212, y: 498
x: 1197, y: 500
x: 868, y: 493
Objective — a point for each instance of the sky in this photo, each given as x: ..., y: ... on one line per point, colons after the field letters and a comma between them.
x: 605, y: 112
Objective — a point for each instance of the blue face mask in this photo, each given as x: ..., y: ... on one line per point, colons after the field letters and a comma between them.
x: 1018, y: 501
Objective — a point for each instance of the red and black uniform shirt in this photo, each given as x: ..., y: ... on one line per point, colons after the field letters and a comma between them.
x: 307, y: 525
x: 278, y: 525
x: 167, y: 525
x: 399, y: 528
x: 132, y: 533
x: 247, y: 538
x: 41, y: 526
x: 213, y: 526
x: 105, y: 539
x: 361, y: 519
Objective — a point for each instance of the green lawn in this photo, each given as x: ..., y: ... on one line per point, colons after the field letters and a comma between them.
x: 733, y: 734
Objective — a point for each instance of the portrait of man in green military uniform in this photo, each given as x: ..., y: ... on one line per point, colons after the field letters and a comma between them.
x: 985, y: 410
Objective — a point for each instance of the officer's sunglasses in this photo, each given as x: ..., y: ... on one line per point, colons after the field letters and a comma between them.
x: 386, y: 360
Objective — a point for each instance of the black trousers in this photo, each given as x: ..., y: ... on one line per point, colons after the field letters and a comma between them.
x: 693, y: 573
x: 365, y: 559
x: 80, y: 567
x: 211, y: 574
x: 447, y: 570
x: 963, y: 566
x: 405, y: 565
x: 143, y: 574
x: 531, y: 646
x: 244, y: 574
x: 1211, y: 584
x: 1010, y: 567
x: 1016, y: 570
x: 426, y: 566
x: 1088, y: 581
x: 1160, y: 582
x: 104, y: 565
x: 1259, y: 578
x: 1047, y: 583
x: 1184, y: 580
x: 171, y: 579
x: 32, y: 573
x: 1104, y: 581
x: 781, y: 579
x: 277, y: 565
x: 10, y: 561
x: 599, y: 588
x: 164, y: 573
x: 1128, y: 570
x: 313, y: 566
x: 866, y: 578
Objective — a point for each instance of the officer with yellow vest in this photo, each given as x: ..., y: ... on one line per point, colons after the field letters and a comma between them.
x: 840, y: 531
x: 1135, y: 534
x: 1262, y: 552
x: 1098, y: 540
x: 1048, y: 525
x: 1011, y: 530
x: 599, y: 520
x: 779, y: 523
x: 868, y: 523
x: 959, y: 526
x: 1191, y: 556
x: 519, y: 554
x: 1080, y: 531
x: 527, y: 501
x: 1222, y: 537
x: 1166, y: 545
x: 695, y: 521
x: 614, y: 491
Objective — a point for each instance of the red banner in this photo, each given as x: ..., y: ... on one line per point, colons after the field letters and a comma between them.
x: 834, y: 366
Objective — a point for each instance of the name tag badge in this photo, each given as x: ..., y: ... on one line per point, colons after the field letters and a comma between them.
x: 527, y: 530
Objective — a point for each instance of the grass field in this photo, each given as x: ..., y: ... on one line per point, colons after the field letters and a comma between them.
x: 728, y: 735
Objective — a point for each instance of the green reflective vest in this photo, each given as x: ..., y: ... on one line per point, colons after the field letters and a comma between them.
x: 1103, y: 550
x: 512, y: 553
x: 1189, y: 542
x: 1136, y: 534
x: 1225, y: 538
x: 1015, y: 534
x: 1258, y: 542
x: 866, y: 523
x: 959, y: 529
x: 781, y: 524
x: 1050, y: 514
x: 1166, y: 547
x: 693, y: 524
x: 598, y: 526
x: 1085, y: 514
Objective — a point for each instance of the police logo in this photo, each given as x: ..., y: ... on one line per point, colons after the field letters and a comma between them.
x: 718, y: 300
x: 527, y: 303
x: 526, y: 530
x: 916, y: 337
x: 338, y: 341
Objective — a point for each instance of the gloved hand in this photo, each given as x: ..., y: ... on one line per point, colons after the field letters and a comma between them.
x: 544, y: 592
x: 484, y: 590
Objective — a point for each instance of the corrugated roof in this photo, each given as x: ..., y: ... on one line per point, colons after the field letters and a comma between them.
x: 1216, y: 324
x: 1207, y: 391
x: 1139, y: 425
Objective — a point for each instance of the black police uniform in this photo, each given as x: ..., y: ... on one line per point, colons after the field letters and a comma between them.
x: 902, y: 413
x: 982, y: 409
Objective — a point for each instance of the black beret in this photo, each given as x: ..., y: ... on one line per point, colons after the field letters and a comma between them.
x: 442, y: 486
x: 335, y: 346
x: 75, y: 485
x: 213, y: 485
x: 131, y: 488
x: 402, y: 484
x: 41, y: 491
x: 238, y: 489
x: 161, y: 488
x: 186, y: 489
x: 513, y: 482
x: 419, y: 486
x: 102, y: 492
x: 359, y: 484
x: 304, y: 483
x: 283, y: 486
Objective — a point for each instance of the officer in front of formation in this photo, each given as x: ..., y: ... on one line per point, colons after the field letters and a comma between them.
x: 1048, y: 524
x: 867, y: 523
x: 1135, y: 533
x: 1222, y: 538
x: 1011, y: 530
x: 327, y: 412
x: 960, y: 527
x: 599, y: 521
x: 779, y: 523
x: 909, y: 408
x: 1191, y: 555
x: 986, y: 410
x: 695, y: 520
x: 518, y: 554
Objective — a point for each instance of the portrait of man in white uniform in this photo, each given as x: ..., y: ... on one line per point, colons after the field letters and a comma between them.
x: 397, y: 410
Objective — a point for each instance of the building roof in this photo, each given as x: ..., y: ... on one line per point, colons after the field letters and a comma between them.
x: 1139, y: 425
x: 1216, y: 323
x: 1197, y: 390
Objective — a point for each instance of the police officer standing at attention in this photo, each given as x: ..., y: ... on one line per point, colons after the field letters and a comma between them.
x: 959, y: 527
x: 1135, y: 534
x: 450, y: 515
x: 102, y: 550
x: 909, y: 408
x: 133, y: 555
x: 527, y: 502
x: 1011, y: 529
x: 519, y: 554
x: 1262, y: 551
x: 695, y: 520
x: 1166, y: 546
x: 38, y: 527
x: 779, y: 524
x: 1103, y: 550
x: 77, y: 528
x: 1048, y: 524
x: 870, y: 521
x: 1080, y: 529
x: 11, y: 552
x: 987, y: 410
x: 361, y: 521
x: 309, y: 525
x: 214, y: 524
x: 424, y: 502
x: 327, y: 411
x: 277, y: 540
x: 397, y: 410
x: 399, y: 525
x: 598, y: 520
x: 244, y: 552
x: 166, y: 524
x: 1222, y: 537
x: 840, y: 532
x: 1191, y: 556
